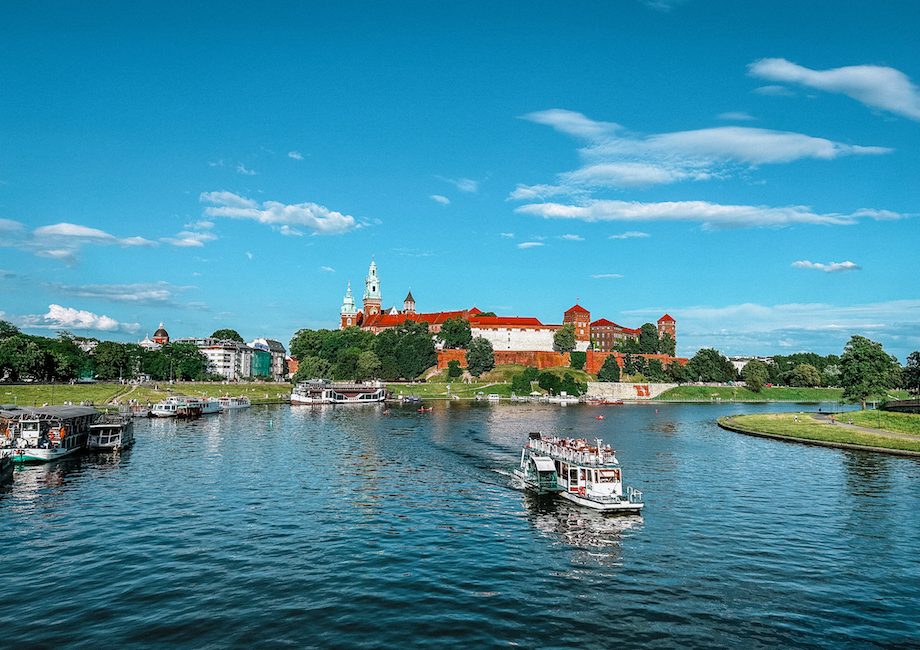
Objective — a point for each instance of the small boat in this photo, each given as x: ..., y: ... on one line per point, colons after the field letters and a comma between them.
x: 563, y: 399
x: 320, y: 391
x: 425, y: 409
x: 111, y: 433
x: 587, y: 475
x: 42, y: 435
x: 166, y: 408
x: 185, y: 407
x: 232, y: 403
x: 493, y: 397
x: 599, y: 417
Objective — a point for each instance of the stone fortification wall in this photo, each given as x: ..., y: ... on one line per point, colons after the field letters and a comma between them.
x: 623, y: 390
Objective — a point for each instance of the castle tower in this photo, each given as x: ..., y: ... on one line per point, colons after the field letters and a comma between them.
x: 581, y: 319
x: 409, y: 304
x: 667, y: 325
x: 349, y: 311
x: 372, y: 299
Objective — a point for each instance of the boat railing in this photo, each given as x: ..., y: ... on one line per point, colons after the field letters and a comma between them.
x: 634, y: 495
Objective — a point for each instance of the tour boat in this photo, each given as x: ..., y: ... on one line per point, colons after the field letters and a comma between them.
x: 185, y: 407
x: 42, y: 435
x: 563, y: 400
x: 167, y: 407
x: 588, y: 475
x: 231, y: 403
x: 111, y: 433
x: 325, y: 392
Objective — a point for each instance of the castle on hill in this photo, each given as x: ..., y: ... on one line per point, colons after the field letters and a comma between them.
x: 511, y: 333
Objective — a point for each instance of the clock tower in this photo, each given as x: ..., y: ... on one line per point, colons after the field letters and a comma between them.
x: 372, y: 298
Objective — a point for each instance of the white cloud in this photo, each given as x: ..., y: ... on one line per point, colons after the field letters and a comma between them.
x: 607, y: 276
x: 156, y: 293
x: 880, y: 87
x: 248, y: 255
x: 462, y: 184
x: 62, y: 241
x: 8, y: 225
x: 530, y: 244
x: 572, y: 237
x: 84, y: 234
x: 736, y: 116
x: 774, y: 91
x: 630, y: 234
x: 327, y: 269
x: 710, y: 215
x: 613, y: 157
x: 316, y: 218
x: 190, y: 238
x: 243, y: 170
x: 506, y: 235
x: 438, y: 198
x: 831, y: 267
x: 59, y: 317
x: 296, y: 155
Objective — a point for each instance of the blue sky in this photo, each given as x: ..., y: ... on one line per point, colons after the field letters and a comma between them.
x: 749, y: 168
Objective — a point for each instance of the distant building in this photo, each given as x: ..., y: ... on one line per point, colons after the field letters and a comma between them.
x: 161, y: 336
x: 277, y: 354
x: 740, y: 362
x: 607, y: 335
x: 231, y: 360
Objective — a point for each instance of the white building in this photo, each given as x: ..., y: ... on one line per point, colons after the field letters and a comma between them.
x: 514, y: 333
x: 229, y: 359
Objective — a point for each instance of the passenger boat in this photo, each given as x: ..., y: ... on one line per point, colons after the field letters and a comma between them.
x: 588, y: 475
x: 166, y: 408
x: 231, y: 403
x: 185, y: 407
x: 111, y: 433
x: 325, y: 392
x: 563, y: 399
x: 41, y: 435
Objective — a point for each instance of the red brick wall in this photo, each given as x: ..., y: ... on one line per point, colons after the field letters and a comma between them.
x: 596, y: 360
x: 446, y: 356
x: 541, y: 360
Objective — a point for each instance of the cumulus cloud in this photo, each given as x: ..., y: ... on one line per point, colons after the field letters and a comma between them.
x: 462, y: 184
x: 830, y: 267
x: 190, y: 238
x: 613, y: 157
x: 710, y: 215
x: 296, y: 155
x: 630, y: 234
x: 84, y: 234
x: 59, y: 317
x: 880, y: 87
x: 62, y: 241
x: 438, y: 198
x: 530, y: 244
x: 315, y: 218
x: 607, y: 276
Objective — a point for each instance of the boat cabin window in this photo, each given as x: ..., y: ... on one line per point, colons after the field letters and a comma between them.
x: 573, y: 475
x: 609, y: 476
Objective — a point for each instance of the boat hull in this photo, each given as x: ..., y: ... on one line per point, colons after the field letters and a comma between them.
x: 6, y: 470
x: 624, y: 506
x: 38, y: 455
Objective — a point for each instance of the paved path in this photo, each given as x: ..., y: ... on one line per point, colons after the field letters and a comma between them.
x: 838, y: 421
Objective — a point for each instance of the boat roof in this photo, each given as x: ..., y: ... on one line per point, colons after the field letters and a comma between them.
x: 60, y: 412
x: 544, y: 463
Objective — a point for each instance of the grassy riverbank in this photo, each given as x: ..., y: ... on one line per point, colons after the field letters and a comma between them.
x: 103, y: 394
x: 803, y: 427
x: 742, y: 394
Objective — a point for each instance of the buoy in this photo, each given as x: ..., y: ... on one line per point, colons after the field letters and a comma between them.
x: 271, y: 424
x: 599, y: 417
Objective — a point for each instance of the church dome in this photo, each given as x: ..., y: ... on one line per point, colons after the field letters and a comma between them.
x: 161, y: 333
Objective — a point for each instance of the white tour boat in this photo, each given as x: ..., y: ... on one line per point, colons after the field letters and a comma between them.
x: 588, y: 475
x: 325, y: 392
x: 111, y: 433
x: 41, y: 435
x: 231, y: 403
x: 185, y: 407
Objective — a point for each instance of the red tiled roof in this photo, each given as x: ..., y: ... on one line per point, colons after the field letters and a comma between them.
x: 392, y: 320
x: 666, y: 317
x: 499, y: 321
x: 577, y: 309
x: 604, y: 322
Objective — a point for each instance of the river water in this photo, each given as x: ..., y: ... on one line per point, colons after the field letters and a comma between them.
x: 349, y: 527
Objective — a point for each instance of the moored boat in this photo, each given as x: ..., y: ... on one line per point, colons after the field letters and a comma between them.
x: 6, y: 466
x: 185, y: 407
x: 42, y: 435
x: 232, y: 403
x: 588, y: 475
x: 111, y: 433
x: 325, y: 392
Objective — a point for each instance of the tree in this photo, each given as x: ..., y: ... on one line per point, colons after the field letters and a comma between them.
x: 486, y: 314
x: 572, y: 387
x: 709, y: 365
x: 453, y: 369
x: 548, y: 382
x: 610, y: 371
x: 805, y: 375
x: 7, y: 329
x: 188, y: 363
x: 414, y: 351
x: 866, y: 370
x: 577, y: 360
x: 368, y: 365
x: 678, y: 373
x: 111, y: 360
x: 667, y: 345
x: 227, y: 335
x: 911, y: 373
x: 480, y: 357
x: 564, y: 338
x: 655, y: 371
x: 648, y: 339
x: 755, y: 374
x: 520, y: 385
x: 346, y: 365
x: 455, y: 333
x: 312, y: 367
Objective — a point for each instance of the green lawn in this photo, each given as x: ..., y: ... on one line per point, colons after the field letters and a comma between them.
x: 890, y: 421
x: 806, y: 428
x: 439, y: 390
x: 742, y: 394
x: 104, y: 393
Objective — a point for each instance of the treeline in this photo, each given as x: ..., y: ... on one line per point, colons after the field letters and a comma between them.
x: 403, y: 352
x: 24, y: 357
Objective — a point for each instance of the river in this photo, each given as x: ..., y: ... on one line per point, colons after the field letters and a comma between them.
x: 349, y: 527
